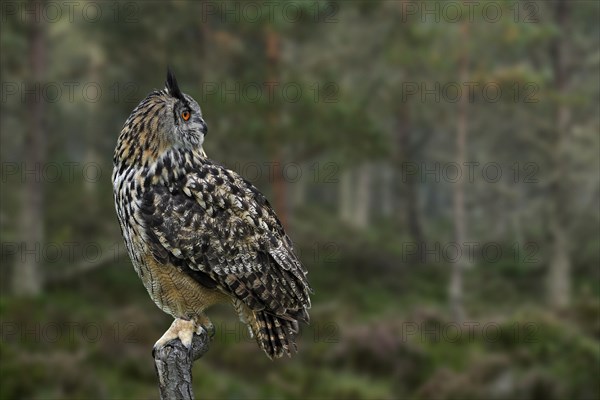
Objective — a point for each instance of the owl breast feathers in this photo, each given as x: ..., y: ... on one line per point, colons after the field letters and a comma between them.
x: 199, y: 234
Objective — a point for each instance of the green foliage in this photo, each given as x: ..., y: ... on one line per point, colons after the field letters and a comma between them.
x: 379, y: 314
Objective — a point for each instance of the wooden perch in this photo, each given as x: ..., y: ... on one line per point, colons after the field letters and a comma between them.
x: 173, y: 364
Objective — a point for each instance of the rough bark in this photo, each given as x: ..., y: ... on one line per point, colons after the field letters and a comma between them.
x: 173, y: 364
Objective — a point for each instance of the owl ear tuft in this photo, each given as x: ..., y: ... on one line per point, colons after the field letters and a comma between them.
x: 172, y: 86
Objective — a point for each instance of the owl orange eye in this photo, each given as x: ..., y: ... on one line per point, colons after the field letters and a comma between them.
x: 185, y: 115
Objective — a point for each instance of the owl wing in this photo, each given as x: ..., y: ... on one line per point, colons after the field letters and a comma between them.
x: 221, y: 230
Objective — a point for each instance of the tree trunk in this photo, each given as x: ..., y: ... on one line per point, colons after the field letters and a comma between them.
x: 456, y: 279
x: 363, y: 197
x: 26, y: 278
x: 300, y: 188
x: 173, y: 363
x: 387, y: 190
x: 346, y: 199
x: 559, y: 277
x: 411, y: 181
x: 279, y: 186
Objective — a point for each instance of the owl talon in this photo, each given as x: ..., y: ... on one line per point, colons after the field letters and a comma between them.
x: 203, y: 323
x: 210, y: 329
x: 180, y: 328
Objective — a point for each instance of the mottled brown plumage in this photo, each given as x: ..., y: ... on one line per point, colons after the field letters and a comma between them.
x: 199, y: 234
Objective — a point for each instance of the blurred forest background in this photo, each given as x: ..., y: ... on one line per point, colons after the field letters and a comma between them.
x: 436, y: 164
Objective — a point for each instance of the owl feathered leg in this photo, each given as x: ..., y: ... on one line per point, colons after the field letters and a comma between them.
x: 204, y: 322
x: 245, y: 315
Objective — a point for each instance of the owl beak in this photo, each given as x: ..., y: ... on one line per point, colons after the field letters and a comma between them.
x: 204, y: 128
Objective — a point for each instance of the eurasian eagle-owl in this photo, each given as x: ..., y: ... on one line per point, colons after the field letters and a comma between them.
x: 199, y: 234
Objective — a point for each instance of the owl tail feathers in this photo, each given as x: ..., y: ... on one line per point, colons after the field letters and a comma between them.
x: 275, y: 335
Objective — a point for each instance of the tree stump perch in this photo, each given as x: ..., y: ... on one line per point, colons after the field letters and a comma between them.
x: 173, y: 364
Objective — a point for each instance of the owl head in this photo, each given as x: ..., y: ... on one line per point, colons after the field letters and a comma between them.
x: 165, y: 119
x: 187, y: 126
